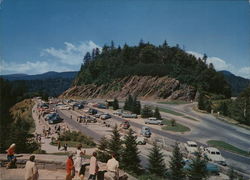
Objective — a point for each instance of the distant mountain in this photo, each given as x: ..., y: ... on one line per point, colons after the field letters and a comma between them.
x: 51, y: 83
x: 47, y: 75
x: 237, y: 83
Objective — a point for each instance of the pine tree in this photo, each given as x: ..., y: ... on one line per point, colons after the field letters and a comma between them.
x: 115, y: 144
x: 129, y: 103
x: 136, y: 106
x: 198, y: 169
x: 201, y: 104
x: 157, y: 114
x: 115, y: 104
x: 156, y: 161
x: 232, y: 175
x: 176, y: 164
x: 103, y: 144
x: 146, y: 112
x: 130, y: 157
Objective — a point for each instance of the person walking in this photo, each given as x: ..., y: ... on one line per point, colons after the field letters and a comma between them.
x: 112, y: 168
x: 11, y: 156
x: 70, y: 170
x: 79, y: 158
x: 93, y: 167
x: 31, y: 171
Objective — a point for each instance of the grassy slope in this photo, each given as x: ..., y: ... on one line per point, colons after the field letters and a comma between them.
x: 23, y: 109
x: 177, y: 128
x: 228, y: 147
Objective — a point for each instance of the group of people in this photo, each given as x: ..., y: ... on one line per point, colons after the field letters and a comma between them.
x: 77, y: 166
x: 31, y: 171
x: 73, y: 166
x: 65, y: 146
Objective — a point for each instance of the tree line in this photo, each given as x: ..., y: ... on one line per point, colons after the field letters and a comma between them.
x: 238, y: 109
x: 146, y: 59
x: 14, y: 130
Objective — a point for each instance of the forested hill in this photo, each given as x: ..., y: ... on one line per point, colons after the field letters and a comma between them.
x: 50, y: 83
x: 149, y: 60
x: 237, y: 83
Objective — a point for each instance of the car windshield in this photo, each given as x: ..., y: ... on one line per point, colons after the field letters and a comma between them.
x: 193, y: 145
x: 212, y: 152
x: 218, y: 153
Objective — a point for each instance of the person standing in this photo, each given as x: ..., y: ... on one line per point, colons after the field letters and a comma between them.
x: 65, y: 147
x: 11, y: 156
x: 112, y: 169
x: 79, y: 158
x: 58, y: 145
x: 70, y: 170
x: 31, y: 171
x: 93, y: 167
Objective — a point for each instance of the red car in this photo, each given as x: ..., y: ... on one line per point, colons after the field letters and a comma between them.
x: 125, y: 124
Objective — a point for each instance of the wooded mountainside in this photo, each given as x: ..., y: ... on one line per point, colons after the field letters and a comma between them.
x: 149, y: 60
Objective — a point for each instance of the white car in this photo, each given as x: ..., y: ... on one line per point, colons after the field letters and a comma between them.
x: 191, y: 147
x: 153, y: 120
x: 140, y: 140
x: 64, y: 107
x: 213, y: 154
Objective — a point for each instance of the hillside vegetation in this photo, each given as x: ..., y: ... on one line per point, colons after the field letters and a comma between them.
x: 149, y: 60
x: 23, y: 110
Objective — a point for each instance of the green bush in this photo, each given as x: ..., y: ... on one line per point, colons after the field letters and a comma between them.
x: 77, y: 137
x: 103, y: 156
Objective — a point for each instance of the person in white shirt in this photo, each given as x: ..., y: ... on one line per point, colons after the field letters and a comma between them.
x: 112, y: 169
x: 31, y: 171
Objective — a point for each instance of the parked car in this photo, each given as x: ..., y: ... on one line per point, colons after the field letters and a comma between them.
x: 98, y: 115
x: 125, y: 124
x: 105, y: 116
x: 64, y: 107
x: 153, y: 120
x: 146, y: 132
x: 55, y: 119
x: 210, y: 167
x: 214, y: 155
x: 102, y: 106
x: 49, y: 116
x: 78, y: 106
x: 92, y: 111
x: 118, y: 112
x: 140, y: 140
x: 191, y: 147
x: 126, y: 115
x: 91, y: 119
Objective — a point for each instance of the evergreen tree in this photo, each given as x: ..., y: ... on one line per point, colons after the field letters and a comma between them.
x: 115, y: 104
x: 232, y: 174
x: 146, y: 112
x: 103, y: 144
x: 129, y: 103
x: 115, y: 143
x: 136, y: 106
x: 157, y: 114
x: 201, y: 104
x: 87, y: 58
x: 198, y: 169
x: 176, y: 164
x: 156, y: 161
x: 130, y: 157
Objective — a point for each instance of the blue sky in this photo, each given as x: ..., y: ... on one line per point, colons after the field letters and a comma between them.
x: 53, y: 35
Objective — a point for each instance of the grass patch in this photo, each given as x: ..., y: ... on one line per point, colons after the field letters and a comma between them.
x: 66, y: 154
x: 228, y: 147
x: 190, y: 118
x: 176, y: 102
x: 71, y: 144
x: 74, y: 138
x: 170, y: 112
x: 176, y: 128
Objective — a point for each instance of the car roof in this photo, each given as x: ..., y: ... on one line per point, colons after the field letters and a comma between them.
x: 212, y: 149
x: 191, y: 142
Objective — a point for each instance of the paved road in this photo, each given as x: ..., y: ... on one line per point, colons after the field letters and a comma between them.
x: 212, y: 128
x: 242, y: 162
x: 66, y: 117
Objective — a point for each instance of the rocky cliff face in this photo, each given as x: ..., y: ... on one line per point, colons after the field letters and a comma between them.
x: 144, y: 87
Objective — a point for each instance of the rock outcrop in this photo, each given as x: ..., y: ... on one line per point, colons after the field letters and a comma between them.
x: 144, y: 87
